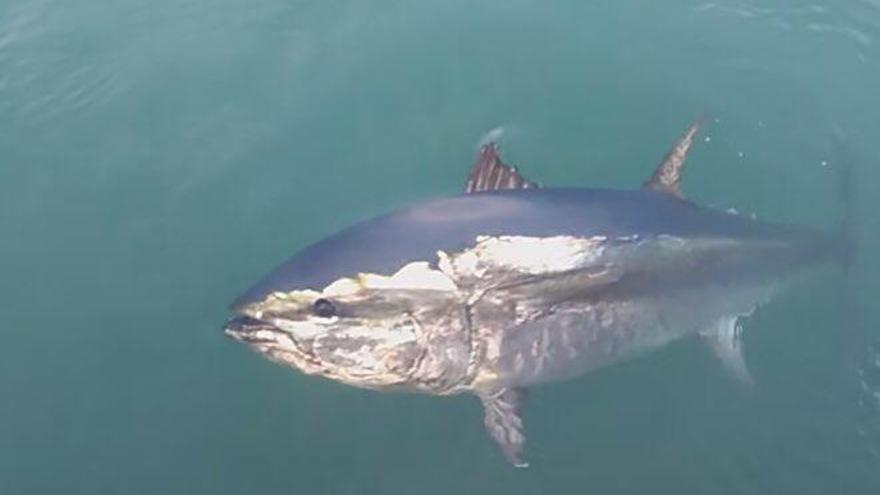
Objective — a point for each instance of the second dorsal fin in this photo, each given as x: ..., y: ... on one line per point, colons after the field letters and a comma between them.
x: 490, y: 173
x: 667, y: 176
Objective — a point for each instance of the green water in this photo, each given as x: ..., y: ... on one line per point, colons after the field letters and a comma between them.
x: 158, y: 157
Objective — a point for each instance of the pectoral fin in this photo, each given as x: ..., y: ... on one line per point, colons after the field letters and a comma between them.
x: 504, y: 423
x: 725, y: 339
x: 490, y: 173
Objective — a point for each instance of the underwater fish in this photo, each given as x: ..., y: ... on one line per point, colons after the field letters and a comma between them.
x: 513, y: 284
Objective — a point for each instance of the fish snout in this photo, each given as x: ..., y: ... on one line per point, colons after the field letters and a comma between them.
x: 246, y: 329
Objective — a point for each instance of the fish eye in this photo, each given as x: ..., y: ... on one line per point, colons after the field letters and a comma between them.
x: 324, y: 308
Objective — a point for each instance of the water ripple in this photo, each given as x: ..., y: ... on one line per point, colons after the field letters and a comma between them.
x: 42, y: 75
x: 869, y: 380
x: 848, y: 22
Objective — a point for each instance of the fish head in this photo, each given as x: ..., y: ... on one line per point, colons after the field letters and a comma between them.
x: 370, y: 331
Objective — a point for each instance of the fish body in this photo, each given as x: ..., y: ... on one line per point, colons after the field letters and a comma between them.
x: 416, y: 233
x: 511, y: 285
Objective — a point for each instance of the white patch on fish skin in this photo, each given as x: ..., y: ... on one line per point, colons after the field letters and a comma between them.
x: 527, y: 255
x: 389, y: 337
x: 342, y: 287
x: 464, y: 262
x: 305, y: 329
x: 493, y: 348
x: 416, y: 275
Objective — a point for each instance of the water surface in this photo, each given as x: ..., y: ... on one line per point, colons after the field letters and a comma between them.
x: 158, y: 157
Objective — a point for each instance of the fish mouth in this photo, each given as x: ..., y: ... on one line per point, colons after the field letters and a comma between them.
x: 275, y: 343
x: 266, y: 337
x: 249, y: 330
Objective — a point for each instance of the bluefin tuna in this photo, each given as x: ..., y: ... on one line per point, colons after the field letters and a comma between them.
x: 512, y: 284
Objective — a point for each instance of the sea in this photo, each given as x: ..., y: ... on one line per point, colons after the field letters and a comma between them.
x: 158, y: 157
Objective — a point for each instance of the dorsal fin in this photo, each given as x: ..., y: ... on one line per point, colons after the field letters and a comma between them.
x: 490, y: 173
x: 667, y: 176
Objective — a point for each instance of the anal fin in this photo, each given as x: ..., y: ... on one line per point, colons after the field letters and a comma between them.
x: 725, y: 339
x: 503, y: 421
x: 489, y: 173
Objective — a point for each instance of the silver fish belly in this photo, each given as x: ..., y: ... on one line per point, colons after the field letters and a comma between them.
x: 534, y: 321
